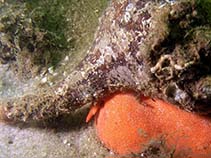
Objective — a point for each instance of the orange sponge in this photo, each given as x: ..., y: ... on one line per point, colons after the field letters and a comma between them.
x: 125, y: 124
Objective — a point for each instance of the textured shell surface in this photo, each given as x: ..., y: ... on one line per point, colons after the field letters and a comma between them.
x: 140, y: 45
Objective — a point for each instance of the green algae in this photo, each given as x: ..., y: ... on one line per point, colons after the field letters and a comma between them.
x: 48, y: 30
x: 204, y: 9
x: 50, y: 18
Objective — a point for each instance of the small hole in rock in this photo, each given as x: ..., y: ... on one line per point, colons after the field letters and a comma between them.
x: 10, y: 142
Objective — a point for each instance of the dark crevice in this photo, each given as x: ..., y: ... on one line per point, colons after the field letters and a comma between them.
x: 188, y: 45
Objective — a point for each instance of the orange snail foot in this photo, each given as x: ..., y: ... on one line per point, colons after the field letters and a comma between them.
x: 125, y: 125
x: 94, y: 109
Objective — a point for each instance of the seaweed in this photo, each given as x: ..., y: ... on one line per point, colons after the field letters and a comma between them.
x: 49, y: 17
x: 203, y: 7
x: 45, y: 31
